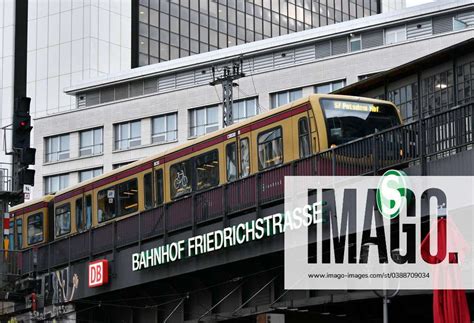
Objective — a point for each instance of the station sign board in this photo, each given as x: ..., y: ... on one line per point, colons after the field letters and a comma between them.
x: 98, y: 273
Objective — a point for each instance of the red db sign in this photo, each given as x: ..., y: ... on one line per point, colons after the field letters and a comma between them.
x: 98, y: 273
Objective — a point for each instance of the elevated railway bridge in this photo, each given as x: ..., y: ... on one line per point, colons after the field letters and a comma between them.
x: 241, y: 283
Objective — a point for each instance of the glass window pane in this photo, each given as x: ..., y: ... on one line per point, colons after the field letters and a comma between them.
x: 86, y: 139
x: 270, y: 148
x: 180, y: 180
x: 148, y: 190
x: 62, y: 219
x: 207, y: 170
x: 35, y: 228
x: 231, y: 161
x: 80, y: 223
x: 244, y: 157
x: 106, y: 204
x: 159, y: 186
x: 127, y: 197
x: 135, y: 129
x: 88, y: 211
x: 304, y: 138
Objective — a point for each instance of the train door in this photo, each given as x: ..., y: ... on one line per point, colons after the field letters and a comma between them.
x: 315, y: 147
x: 244, y: 156
x: 302, y: 135
x: 157, y: 183
x: 82, y: 212
x: 231, y: 160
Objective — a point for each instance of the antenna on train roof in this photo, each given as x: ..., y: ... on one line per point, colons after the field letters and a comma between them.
x: 228, y: 74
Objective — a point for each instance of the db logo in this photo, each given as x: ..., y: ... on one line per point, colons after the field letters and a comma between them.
x: 98, y: 273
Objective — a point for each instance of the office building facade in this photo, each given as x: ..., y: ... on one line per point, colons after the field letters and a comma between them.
x: 167, y: 30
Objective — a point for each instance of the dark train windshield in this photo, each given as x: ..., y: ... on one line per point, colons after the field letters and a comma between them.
x: 351, y: 120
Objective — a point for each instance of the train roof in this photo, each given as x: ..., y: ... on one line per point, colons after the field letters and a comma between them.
x: 219, y: 132
x: 45, y: 198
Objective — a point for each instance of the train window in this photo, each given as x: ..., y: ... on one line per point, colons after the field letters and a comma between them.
x: 180, y: 178
x: 11, y: 235
x: 19, y: 233
x: 88, y: 211
x: 148, y: 190
x: 106, y: 204
x: 303, y: 137
x: 231, y: 161
x: 128, y: 197
x: 244, y: 157
x: 35, y: 228
x: 63, y: 219
x: 79, y: 215
x: 159, y: 186
x: 207, y: 170
x: 270, y: 148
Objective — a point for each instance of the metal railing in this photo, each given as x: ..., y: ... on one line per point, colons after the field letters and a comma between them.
x: 415, y: 143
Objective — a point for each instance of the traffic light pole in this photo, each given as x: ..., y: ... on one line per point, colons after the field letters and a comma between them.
x: 21, y: 111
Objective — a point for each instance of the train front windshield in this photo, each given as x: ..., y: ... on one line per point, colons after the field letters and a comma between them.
x: 351, y: 120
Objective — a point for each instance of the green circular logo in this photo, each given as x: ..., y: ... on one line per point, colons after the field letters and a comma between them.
x: 392, y: 193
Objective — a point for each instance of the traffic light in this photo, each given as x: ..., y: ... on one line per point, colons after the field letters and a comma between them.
x: 24, y: 154
x: 27, y: 156
x: 26, y: 176
x: 21, y: 123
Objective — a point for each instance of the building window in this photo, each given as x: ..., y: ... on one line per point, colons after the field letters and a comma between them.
x: 57, y: 148
x: 270, y: 148
x: 91, y: 142
x: 118, y: 165
x: 35, y: 228
x: 329, y: 87
x: 459, y: 24
x: 355, y: 43
x: 395, y: 35
x: 465, y: 78
x: 56, y: 183
x: 62, y: 220
x: 366, y: 76
x: 437, y: 93
x: 243, y: 109
x: 90, y: 173
x: 406, y: 98
x: 203, y: 121
x: 165, y: 128
x: 127, y: 135
x: 284, y: 97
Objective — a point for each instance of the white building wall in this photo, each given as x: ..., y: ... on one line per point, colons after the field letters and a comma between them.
x: 7, y: 39
x: 70, y: 41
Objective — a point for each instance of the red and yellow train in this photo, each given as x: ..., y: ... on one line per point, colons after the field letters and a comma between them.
x: 277, y: 137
